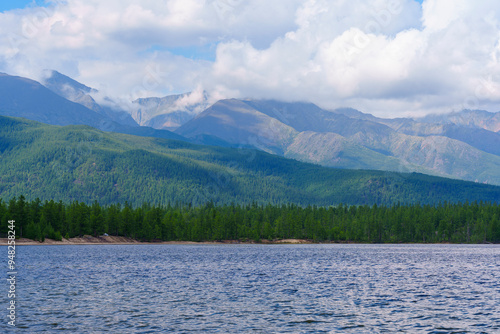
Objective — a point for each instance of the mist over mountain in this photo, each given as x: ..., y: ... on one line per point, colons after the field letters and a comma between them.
x: 81, y: 94
x: 463, y: 145
x: 22, y: 97
x: 171, y: 111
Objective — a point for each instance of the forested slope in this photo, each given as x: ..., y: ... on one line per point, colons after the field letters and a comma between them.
x: 80, y: 163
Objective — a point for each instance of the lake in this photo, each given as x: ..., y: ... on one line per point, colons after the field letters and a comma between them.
x: 256, y: 289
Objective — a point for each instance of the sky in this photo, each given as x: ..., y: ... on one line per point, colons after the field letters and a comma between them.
x: 391, y: 58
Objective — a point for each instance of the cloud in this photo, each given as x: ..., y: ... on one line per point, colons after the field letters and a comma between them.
x: 111, y: 44
x: 371, y: 56
x: 390, y: 57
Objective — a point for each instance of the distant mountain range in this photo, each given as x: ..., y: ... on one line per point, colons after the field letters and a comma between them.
x: 453, y: 146
x: 463, y: 145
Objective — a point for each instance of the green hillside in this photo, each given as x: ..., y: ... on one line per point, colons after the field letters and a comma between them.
x: 80, y: 163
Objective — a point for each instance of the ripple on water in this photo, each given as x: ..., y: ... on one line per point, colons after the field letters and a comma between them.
x: 259, y: 288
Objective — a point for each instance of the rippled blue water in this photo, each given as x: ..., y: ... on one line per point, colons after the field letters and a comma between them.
x: 257, y: 289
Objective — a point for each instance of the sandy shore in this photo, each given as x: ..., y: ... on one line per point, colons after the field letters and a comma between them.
x: 112, y: 240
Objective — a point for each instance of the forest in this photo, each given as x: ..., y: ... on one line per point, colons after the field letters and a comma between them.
x: 78, y: 163
x: 475, y: 222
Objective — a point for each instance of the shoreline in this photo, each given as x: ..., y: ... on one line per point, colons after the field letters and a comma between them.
x: 114, y: 240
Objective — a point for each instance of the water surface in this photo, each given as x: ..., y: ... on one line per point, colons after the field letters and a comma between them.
x: 257, y: 289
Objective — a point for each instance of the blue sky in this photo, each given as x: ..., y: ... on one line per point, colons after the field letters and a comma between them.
x: 15, y: 4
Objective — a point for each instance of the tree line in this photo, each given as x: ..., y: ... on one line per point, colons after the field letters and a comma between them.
x: 446, y: 222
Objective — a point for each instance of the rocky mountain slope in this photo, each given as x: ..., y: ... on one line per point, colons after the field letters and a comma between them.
x: 347, y: 138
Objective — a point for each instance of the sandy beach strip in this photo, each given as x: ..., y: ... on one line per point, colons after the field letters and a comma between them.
x: 115, y: 240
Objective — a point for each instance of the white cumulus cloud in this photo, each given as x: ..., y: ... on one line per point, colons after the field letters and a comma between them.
x: 388, y: 57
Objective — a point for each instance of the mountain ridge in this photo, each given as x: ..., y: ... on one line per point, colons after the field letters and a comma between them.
x: 298, y: 130
x: 77, y: 92
x: 22, y: 97
x: 459, y: 145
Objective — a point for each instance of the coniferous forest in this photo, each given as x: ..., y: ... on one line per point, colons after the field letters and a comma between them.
x: 77, y: 163
x: 445, y: 222
x: 102, y: 179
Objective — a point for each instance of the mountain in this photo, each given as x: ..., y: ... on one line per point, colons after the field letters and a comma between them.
x: 76, y: 92
x: 471, y: 118
x: 26, y: 98
x: 463, y: 145
x: 81, y: 163
x: 22, y: 97
x: 347, y: 138
x: 171, y: 111
x: 477, y: 137
x: 353, y: 113
x: 238, y: 123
